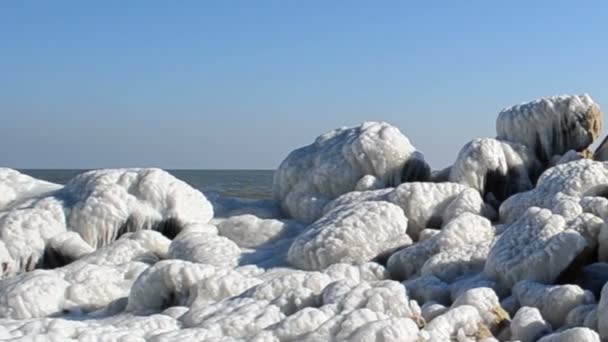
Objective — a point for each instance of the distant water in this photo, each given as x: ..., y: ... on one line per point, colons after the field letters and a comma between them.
x: 225, y: 183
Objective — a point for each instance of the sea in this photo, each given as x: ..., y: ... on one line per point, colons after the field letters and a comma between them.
x: 250, y: 184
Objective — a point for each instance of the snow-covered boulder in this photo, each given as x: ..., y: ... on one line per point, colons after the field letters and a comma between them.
x: 205, y: 248
x: 99, y: 206
x: 528, y: 325
x: 553, y: 301
x: 574, y: 334
x: 538, y: 246
x: 571, y: 181
x: 495, y: 168
x: 553, y: 125
x: 465, y: 230
x: 16, y: 187
x: 456, y: 324
x: 351, y: 234
x: 104, y: 204
x: 337, y: 161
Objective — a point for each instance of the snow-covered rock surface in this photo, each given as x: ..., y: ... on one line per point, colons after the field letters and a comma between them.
x: 360, y: 243
x: 553, y: 125
x: 372, y: 155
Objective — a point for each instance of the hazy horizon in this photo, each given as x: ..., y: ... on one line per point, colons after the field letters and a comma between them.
x: 238, y: 85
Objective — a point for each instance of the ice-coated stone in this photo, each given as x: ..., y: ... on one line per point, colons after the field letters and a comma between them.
x: 16, y: 187
x: 425, y: 204
x: 538, y: 246
x: 582, y: 316
x: 428, y: 288
x: 351, y: 234
x: 234, y: 317
x: 109, y: 203
x: 528, y: 325
x: 205, y: 248
x: 292, y: 291
x: 602, y: 313
x: 485, y: 300
x: 313, y: 175
x: 33, y: 294
x: 552, y: 125
x: 574, y: 334
x: 495, y: 168
x: 466, y: 229
x: 100, y: 206
x: 572, y: 181
x: 457, y: 262
x: 553, y: 301
x: 463, y: 320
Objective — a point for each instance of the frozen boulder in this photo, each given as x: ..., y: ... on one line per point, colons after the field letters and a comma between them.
x: 425, y: 204
x: 108, y: 203
x: 574, y: 334
x: 34, y: 294
x: 292, y: 291
x: 571, y: 181
x: 16, y: 187
x: 553, y: 125
x: 205, y: 248
x: 466, y: 229
x: 538, y: 246
x: 100, y: 206
x: 463, y: 320
x: 351, y: 234
x: 528, y: 325
x: 553, y: 301
x: 335, y: 163
x: 495, y: 168
x: 602, y: 313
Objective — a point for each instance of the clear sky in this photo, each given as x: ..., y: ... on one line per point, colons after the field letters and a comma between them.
x: 239, y: 84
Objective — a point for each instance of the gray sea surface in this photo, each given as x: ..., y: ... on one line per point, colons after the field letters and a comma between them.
x: 255, y: 184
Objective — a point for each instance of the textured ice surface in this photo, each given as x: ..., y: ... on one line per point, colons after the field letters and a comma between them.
x: 337, y: 161
x: 353, y: 234
x: 553, y: 125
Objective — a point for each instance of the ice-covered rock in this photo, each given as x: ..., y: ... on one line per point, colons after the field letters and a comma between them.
x: 574, y: 334
x: 571, y: 181
x: 466, y: 229
x: 428, y: 289
x: 528, y: 325
x: 426, y: 204
x: 334, y: 164
x: 553, y: 125
x: 486, y: 302
x: 105, y: 204
x: 100, y: 206
x: 292, y: 291
x: 553, y: 301
x: 464, y: 321
x: 205, y: 248
x: 16, y: 187
x: 538, y: 246
x: 495, y: 168
x: 351, y: 234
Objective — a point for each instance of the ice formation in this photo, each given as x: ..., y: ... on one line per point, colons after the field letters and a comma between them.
x: 337, y: 161
x: 362, y: 242
x: 553, y: 125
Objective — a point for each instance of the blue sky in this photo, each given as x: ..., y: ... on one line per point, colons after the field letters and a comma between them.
x: 239, y: 84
